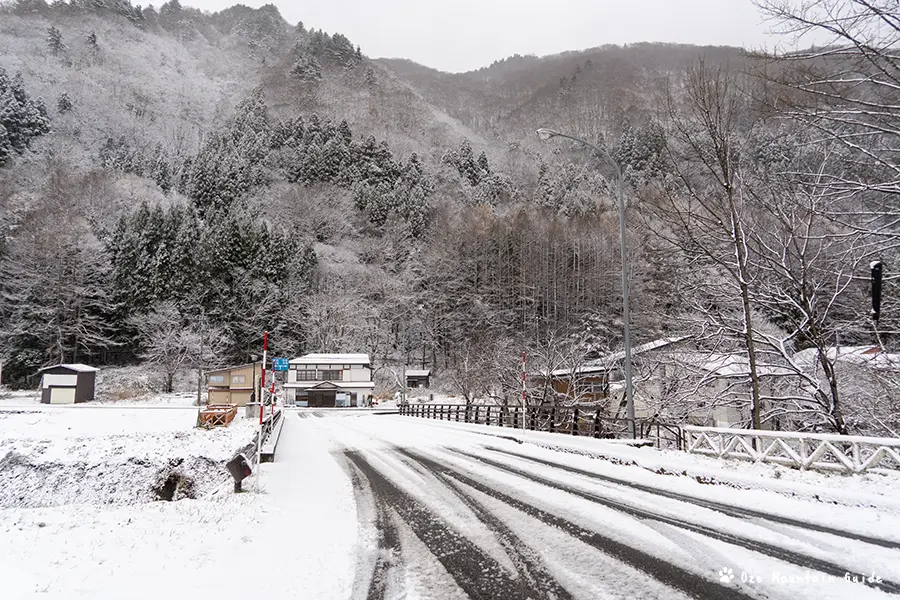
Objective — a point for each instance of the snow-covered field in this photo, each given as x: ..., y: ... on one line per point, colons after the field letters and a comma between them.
x: 360, y: 505
x: 84, y: 454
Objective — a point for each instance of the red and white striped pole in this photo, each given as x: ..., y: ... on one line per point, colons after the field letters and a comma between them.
x: 262, y: 385
x: 262, y: 390
x: 524, y: 405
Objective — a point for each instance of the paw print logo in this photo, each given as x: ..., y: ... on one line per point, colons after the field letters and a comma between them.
x: 726, y: 575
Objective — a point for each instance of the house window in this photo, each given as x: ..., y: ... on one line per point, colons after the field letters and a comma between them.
x: 329, y: 375
x: 239, y: 379
x: 217, y: 379
x: 306, y: 375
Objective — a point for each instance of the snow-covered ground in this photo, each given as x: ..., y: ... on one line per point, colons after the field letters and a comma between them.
x: 96, y: 454
x: 361, y: 505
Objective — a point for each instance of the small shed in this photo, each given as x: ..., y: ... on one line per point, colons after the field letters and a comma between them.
x: 418, y: 378
x: 234, y: 385
x: 68, y: 384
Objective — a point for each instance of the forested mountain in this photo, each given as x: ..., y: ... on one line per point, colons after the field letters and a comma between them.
x: 173, y: 183
x: 583, y: 89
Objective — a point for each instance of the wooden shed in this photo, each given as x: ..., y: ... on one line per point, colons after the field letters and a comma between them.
x: 234, y: 385
x: 418, y: 378
x: 68, y: 384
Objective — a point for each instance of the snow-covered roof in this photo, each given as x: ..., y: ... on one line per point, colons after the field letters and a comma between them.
x: 418, y: 372
x: 80, y: 368
x: 331, y: 359
x: 655, y: 344
x: 871, y: 356
x: 726, y: 364
x: 605, y: 363
x: 234, y: 368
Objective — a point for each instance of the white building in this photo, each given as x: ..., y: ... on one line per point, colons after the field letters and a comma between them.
x: 330, y: 380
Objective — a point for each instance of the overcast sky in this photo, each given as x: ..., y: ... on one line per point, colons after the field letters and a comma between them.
x: 461, y: 35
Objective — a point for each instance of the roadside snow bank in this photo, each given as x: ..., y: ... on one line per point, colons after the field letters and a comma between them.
x: 54, y: 457
x: 866, y: 489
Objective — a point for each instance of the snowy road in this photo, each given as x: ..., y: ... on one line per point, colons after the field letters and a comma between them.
x: 364, y: 506
x: 449, y: 510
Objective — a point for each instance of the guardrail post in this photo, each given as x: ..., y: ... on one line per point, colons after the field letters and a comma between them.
x: 597, y: 424
x: 575, y: 421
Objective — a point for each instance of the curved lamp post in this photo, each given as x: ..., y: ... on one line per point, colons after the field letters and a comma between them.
x: 546, y: 134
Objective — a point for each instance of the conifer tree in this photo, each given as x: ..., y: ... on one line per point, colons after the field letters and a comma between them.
x: 6, y: 148
x: 371, y: 78
x: 55, y: 41
x: 63, y: 103
x: 93, y: 46
x: 307, y: 69
x: 483, y: 165
x: 21, y: 117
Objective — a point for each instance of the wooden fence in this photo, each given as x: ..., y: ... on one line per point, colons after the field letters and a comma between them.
x: 587, y: 421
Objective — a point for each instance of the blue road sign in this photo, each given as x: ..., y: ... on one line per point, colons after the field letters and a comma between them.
x: 279, y: 364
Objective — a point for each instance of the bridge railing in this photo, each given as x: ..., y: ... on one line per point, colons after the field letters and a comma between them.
x: 819, y: 451
x: 587, y: 421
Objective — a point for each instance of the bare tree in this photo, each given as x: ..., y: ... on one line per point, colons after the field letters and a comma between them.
x: 708, y: 210
x: 845, y: 90
x: 172, y: 343
x: 55, y: 295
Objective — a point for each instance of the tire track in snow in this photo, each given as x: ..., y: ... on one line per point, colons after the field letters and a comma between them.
x: 771, y: 550
x: 527, y: 563
x: 476, y: 573
x: 733, y: 511
x: 388, y: 553
x: 665, y: 572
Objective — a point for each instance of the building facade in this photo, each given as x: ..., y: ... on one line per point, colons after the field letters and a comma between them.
x: 233, y: 385
x: 418, y: 378
x: 68, y: 384
x: 326, y: 380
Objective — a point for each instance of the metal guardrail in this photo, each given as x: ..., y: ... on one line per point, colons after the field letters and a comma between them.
x: 243, y: 463
x: 819, y: 451
x: 585, y: 420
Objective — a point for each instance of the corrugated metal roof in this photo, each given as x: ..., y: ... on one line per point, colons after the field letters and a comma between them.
x: 80, y: 368
x: 235, y: 368
x: 331, y: 359
x: 610, y: 361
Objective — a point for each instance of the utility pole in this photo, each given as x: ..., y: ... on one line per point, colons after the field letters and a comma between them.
x: 546, y: 134
x: 524, y: 403
x: 200, y: 357
x: 877, y: 274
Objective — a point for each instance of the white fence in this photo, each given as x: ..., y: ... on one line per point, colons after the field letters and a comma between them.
x: 853, y: 454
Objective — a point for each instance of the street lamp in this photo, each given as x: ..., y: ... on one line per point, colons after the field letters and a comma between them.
x: 546, y: 134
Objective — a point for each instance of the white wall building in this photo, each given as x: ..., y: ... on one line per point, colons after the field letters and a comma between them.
x: 330, y: 380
